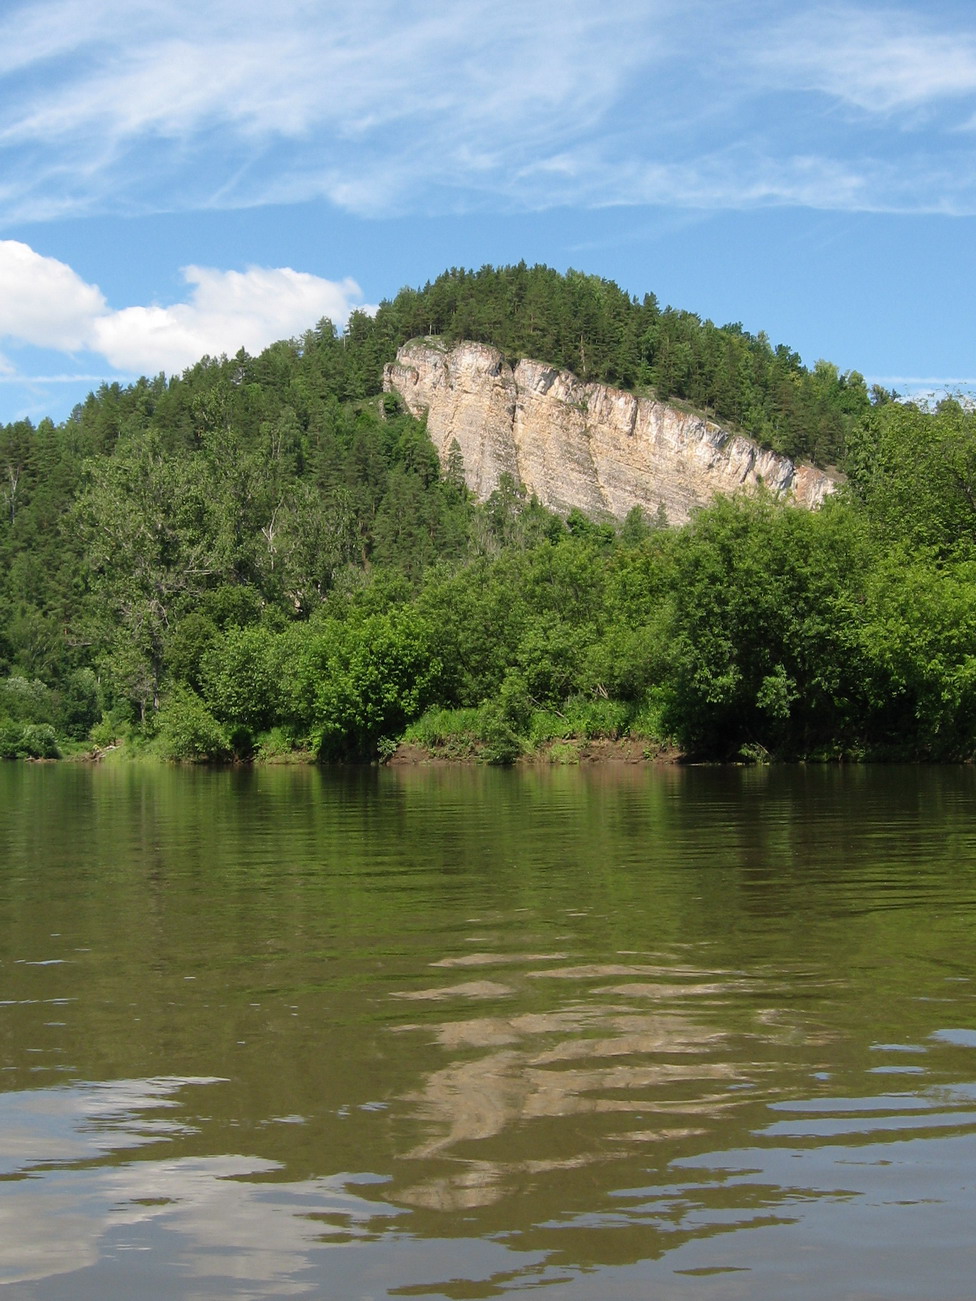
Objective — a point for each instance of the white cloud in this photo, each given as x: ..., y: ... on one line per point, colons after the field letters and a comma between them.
x: 226, y: 310
x: 45, y: 303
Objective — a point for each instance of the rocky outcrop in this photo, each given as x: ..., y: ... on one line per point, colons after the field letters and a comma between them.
x: 582, y: 445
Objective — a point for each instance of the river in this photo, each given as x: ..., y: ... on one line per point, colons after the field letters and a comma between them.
x: 616, y: 1032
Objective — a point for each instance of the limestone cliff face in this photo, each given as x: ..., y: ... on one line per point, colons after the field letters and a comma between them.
x: 581, y: 445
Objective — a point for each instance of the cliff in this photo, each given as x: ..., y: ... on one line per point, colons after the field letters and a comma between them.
x: 581, y: 445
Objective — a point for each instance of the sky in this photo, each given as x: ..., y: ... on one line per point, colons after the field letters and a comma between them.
x: 184, y: 179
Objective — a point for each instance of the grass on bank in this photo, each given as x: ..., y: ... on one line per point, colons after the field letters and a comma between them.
x: 502, y: 730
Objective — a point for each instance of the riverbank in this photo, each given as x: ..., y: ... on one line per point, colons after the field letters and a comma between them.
x: 628, y: 750
x: 624, y: 750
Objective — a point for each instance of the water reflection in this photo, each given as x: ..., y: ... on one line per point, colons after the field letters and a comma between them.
x: 588, y: 1054
x: 466, y: 1034
x: 89, y: 1197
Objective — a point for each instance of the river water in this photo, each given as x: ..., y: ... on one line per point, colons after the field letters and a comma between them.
x: 620, y: 1033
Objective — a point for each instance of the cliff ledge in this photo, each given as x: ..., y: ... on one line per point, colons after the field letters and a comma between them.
x: 582, y: 445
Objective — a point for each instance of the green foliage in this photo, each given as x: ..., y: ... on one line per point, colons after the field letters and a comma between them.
x: 763, y: 650
x: 187, y: 643
x: 28, y: 740
x: 549, y: 658
x: 80, y: 704
x: 584, y: 718
x: 278, y: 746
x: 508, y: 726
x: 647, y: 720
x: 105, y: 732
x: 917, y: 634
x: 628, y: 659
x: 914, y: 473
x: 24, y: 701
x: 188, y: 730
x: 241, y: 674
x: 454, y: 733
x: 39, y: 741
x: 10, y: 738
x: 363, y: 680
x: 506, y: 721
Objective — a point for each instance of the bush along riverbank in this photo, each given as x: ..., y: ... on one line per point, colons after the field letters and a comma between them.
x: 755, y: 632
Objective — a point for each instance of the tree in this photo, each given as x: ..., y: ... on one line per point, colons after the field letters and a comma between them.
x: 914, y: 473
x: 363, y: 681
x: 144, y: 520
x: 764, y: 639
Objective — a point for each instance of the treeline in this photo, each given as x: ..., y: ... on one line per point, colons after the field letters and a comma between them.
x: 577, y: 322
x: 264, y: 556
x: 591, y: 327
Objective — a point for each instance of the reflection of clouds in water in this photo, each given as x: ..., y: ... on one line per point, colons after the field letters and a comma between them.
x: 75, y: 1123
x: 44, y: 1232
x: 609, y: 970
x: 258, y: 1234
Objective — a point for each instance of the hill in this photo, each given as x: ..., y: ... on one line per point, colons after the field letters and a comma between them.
x: 265, y: 555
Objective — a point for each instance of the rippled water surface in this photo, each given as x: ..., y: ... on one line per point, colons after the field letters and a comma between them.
x: 667, y: 1034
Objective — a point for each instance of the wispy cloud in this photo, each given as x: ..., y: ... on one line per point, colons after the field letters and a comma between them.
x: 12, y: 376
x: 395, y: 105
x: 468, y: 86
x: 882, y: 61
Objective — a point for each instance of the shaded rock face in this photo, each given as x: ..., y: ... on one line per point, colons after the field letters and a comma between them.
x: 581, y: 445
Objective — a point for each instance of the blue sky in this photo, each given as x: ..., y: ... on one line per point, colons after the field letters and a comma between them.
x: 179, y: 179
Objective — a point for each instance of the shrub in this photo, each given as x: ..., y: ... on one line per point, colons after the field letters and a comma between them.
x: 39, y: 741
x: 646, y: 720
x: 81, y: 704
x: 368, y: 680
x: 28, y: 740
x: 26, y: 701
x: 506, y: 721
x: 188, y: 730
x: 10, y: 734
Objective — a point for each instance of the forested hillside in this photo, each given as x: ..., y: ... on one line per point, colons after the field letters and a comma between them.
x: 264, y: 555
